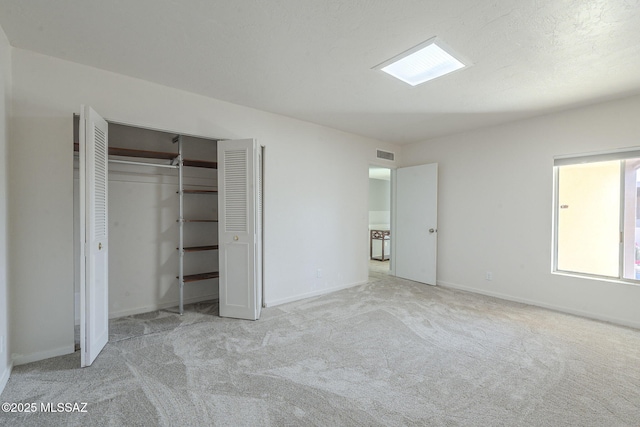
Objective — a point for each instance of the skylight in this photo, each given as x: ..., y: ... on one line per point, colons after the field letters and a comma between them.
x: 424, y: 62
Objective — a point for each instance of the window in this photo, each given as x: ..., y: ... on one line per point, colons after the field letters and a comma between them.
x: 597, y: 215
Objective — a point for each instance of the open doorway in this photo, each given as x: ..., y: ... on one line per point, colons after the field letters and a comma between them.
x: 379, y: 220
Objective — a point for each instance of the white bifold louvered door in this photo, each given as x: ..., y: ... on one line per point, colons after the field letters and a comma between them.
x: 94, y: 242
x: 240, y: 228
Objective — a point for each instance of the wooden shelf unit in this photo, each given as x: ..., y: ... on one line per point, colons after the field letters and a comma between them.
x: 200, y: 191
x: 200, y: 164
x: 160, y: 155
x: 188, y: 278
x: 182, y: 162
x: 199, y: 248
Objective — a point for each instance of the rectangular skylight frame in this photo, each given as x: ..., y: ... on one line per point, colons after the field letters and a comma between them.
x: 443, y: 61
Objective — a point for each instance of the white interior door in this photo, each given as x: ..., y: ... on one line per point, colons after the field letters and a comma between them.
x: 416, y: 223
x: 239, y: 229
x: 94, y: 242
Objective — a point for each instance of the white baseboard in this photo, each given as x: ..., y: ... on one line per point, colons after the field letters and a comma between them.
x: 21, y: 359
x: 4, y: 378
x: 312, y: 294
x: 548, y: 306
x: 154, y: 307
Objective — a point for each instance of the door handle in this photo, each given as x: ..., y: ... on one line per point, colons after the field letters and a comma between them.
x: 431, y: 230
x: 99, y: 246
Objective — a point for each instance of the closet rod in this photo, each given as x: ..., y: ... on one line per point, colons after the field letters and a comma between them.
x: 157, y: 165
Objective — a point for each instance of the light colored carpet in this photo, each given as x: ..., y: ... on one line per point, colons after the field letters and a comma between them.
x: 137, y: 325
x: 391, y: 352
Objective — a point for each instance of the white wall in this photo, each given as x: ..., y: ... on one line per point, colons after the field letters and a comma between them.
x: 316, y: 185
x: 379, y: 203
x: 495, y: 203
x: 5, y: 111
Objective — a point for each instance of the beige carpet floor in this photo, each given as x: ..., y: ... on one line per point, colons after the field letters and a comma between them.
x: 390, y: 352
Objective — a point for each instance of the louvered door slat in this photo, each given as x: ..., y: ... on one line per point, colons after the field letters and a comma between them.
x: 237, y: 228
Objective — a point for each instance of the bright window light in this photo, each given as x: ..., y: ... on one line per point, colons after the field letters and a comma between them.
x: 427, y: 61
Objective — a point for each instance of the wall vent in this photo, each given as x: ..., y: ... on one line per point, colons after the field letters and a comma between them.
x: 385, y: 155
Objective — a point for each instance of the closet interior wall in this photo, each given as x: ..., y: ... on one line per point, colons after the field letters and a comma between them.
x: 144, y: 227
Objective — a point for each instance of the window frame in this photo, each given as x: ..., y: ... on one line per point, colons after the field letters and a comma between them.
x: 602, y: 156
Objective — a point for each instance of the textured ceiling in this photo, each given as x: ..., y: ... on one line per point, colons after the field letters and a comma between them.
x: 312, y: 59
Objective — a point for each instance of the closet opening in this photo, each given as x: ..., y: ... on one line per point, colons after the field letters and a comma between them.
x: 162, y: 228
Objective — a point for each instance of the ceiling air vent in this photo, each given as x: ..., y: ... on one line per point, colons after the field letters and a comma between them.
x: 386, y: 155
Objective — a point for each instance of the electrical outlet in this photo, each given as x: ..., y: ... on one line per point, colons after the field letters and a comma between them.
x: 488, y: 276
x: 319, y: 273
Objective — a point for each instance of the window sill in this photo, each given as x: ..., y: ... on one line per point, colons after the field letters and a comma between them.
x: 598, y: 278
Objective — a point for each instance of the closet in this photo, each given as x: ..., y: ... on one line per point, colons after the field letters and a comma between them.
x: 162, y: 212
x: 162, y: 219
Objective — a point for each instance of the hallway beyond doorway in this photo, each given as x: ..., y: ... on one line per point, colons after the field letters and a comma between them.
x: 378, y: 270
